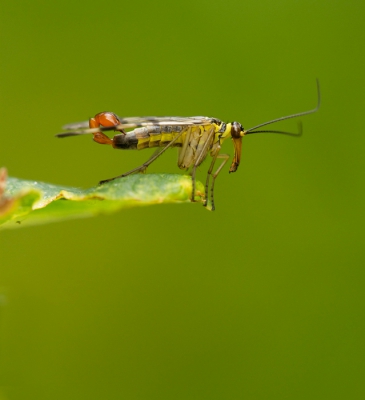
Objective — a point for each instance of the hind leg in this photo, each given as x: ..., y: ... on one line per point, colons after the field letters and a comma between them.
x: 144, y: 166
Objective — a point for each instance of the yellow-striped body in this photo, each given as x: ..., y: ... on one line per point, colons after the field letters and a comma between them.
x: 194, y: 141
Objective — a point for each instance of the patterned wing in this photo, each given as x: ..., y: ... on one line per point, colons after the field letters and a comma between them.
x: 134, y: 122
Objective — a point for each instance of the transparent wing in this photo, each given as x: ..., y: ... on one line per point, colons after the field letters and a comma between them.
x: 134, y: 122
x: 76, y: 125
x: 145, y: 121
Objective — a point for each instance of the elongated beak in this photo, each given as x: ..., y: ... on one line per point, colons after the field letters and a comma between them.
x: 237, y: 143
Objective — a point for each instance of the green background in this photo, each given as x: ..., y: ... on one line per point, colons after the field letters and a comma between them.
x: 262, y: 299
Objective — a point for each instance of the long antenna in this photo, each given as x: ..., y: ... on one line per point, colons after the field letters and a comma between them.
x: 251, y: 130
x: 297, y: 134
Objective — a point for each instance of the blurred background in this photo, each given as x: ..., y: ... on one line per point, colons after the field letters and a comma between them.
x: 262, y: 299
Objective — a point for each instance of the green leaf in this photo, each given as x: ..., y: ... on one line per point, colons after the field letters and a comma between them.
x: 24, y: 203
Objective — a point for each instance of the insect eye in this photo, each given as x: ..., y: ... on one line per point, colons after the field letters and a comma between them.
x: 236, y: 130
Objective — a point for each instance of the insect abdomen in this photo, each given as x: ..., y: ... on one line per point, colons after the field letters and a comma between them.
x: 146, y: 137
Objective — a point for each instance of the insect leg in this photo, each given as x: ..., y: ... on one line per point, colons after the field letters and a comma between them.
x: 215, y: 156
x: 182, y: 150
x: 225, y: 158
x: 200, y: 158
x: 142, y: 168
x: 148, y: 162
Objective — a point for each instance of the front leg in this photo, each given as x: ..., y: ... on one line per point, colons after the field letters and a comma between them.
x: 225, y: 158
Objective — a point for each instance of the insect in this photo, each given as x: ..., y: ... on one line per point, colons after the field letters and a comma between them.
x: 195, y: 137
